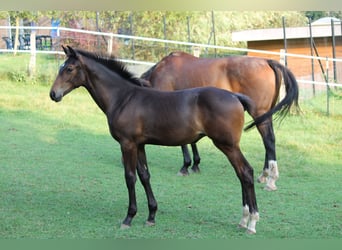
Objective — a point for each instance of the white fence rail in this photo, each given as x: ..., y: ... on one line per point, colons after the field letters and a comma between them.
x: 110, y: 36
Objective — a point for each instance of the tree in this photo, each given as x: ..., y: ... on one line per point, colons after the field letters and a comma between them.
x: 187, y: 26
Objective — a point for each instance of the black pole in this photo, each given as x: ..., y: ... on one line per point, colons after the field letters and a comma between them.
x: 131, y: 33
x: 188, y: 28
x: 285, y: 42
x: 312, y: 60
x: 97, y: 29
x: 319, y: 60
x: 327, y: 82
x: 214, y: 35
x: 333, y: 48
x: 164, y: 31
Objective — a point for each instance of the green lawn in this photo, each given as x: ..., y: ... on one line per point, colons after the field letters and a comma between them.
x: 61, y: 176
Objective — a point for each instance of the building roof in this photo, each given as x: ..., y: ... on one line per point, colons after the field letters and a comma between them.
x: 326, y: 21
x: 320, y: 28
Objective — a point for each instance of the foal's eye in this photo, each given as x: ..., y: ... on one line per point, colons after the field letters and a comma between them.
x: 69, y: 69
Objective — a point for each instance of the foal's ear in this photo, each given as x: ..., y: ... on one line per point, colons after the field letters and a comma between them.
x: 71, y: 52
x: 65, y: 50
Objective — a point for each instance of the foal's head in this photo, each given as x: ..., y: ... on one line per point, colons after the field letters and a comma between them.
x: 73, y: 72
x: 70, y: 76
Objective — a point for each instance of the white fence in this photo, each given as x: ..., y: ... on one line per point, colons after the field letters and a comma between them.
x: 110, y: 36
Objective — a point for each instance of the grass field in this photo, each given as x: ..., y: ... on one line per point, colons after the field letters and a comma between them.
x: 61, y: 176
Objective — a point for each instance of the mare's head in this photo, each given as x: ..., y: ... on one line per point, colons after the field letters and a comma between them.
x: 70, y: 75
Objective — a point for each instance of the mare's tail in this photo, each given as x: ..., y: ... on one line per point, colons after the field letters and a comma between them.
x: 291, y: 98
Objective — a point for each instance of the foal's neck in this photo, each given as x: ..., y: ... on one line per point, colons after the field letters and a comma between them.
x: 106, y: 88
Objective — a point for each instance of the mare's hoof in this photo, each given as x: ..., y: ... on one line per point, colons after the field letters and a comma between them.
x: 261, y: 179
x: 124, y: 226
x: 270, y: 188
x: 242, y: 226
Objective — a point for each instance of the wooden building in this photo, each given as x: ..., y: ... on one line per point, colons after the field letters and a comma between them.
x: 298, y: 42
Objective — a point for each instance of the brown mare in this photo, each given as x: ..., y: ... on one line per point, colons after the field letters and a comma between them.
x: 138, y: 115
x: 258, y: 78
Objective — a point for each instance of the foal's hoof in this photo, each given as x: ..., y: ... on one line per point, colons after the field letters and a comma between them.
x: 181, y: 173
x: 249, y: 231
x: 195, y: 170
x: 150, y: 223
x: 124, y: 226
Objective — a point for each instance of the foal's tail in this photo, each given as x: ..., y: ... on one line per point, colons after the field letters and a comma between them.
x: 291, y: 98
x: 247, y: 103
x: 147, y: 74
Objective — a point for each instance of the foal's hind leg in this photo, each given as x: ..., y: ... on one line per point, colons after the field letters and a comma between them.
x: 270, y: 172
x: 244, y: 172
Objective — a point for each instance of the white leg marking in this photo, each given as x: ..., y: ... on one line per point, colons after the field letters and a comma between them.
x: 273, y: 176
x: 263, y: 176
x: 248, y: 220
x: 245, y: 217
x: 252, y: 222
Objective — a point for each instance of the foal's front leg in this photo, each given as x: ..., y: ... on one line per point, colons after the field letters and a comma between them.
x: 144, y: 177
x: 129, y: 155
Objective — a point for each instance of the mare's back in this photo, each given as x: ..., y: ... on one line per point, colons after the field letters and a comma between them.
x: 181, y: 71
x: 251, y: 76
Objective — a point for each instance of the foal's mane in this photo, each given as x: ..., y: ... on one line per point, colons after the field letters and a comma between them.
x: 112, y: 63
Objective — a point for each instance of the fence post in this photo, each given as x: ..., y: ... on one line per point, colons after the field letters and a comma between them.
x: 327, y: 81
x: 196, y: 51
x: 285, y: 41
x: 333, y: 48
x: 32, y: 64
x: 282, y: 59
x: 164, y: 30
x: 312, y: 60
x: 213, y: 30
x: 188, y: 30
x: 110, y: 45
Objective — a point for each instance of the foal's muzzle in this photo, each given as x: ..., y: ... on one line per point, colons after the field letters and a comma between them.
x: 54, y: 97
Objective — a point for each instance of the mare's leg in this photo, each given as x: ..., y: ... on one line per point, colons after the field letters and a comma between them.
x: 186, y: 161
x: 144, y: 177
x: 270, y: 172
x: 196, y: 158
x: 129, y: 155
x: 244, y: 172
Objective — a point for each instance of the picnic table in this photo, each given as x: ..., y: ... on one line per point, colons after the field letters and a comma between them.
x: 43, y: 42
